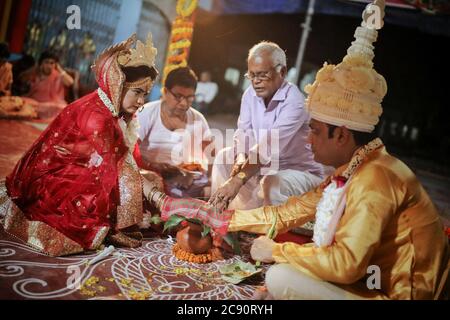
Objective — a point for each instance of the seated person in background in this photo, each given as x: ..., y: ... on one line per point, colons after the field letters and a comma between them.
x: 47, y: 83
x: 25, y: 63
x: 174, y: 136
x: 206, y: 92
x: 6, y: 77
x: 258, y: 169
x: 11, y: 107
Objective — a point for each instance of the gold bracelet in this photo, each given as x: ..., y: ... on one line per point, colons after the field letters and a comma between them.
x: 160, y: 200
x: 151, y: 193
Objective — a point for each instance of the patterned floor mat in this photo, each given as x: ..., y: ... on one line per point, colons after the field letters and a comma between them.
x: 149, y: 272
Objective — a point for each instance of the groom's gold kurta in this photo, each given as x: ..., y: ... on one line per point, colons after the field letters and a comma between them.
x: 389, y: 221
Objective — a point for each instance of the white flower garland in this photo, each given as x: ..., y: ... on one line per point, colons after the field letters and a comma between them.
x: 107, y: 102
x: 332, y: 203
x: 325, y: 210
x: 129, y: 131
x: 130, y: 136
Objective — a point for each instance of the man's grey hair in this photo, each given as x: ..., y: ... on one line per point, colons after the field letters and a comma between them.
x: 278, y: 55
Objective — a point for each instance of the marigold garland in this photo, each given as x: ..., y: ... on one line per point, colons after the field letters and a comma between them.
x: 181, y: 36
x: 185, y: 8
x: 181, y: 24
x: 171, y: 67
x: 183, y: 31
x: 190, y: 257
x: 182, y: 44
x: 176, y: 59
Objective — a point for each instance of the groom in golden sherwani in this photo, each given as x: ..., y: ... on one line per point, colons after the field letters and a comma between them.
x: 372, y: 217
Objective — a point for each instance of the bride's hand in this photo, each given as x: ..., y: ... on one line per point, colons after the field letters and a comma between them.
x: 150, y: 181
x: 153, y: 179
x: 147, y: 187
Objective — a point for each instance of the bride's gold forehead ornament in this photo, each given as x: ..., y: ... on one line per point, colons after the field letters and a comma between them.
x: 142, y: 55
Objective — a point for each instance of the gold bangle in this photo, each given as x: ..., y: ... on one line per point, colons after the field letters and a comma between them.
x: 151, y: 193
x: 156, y: 202
x: 160, y: 200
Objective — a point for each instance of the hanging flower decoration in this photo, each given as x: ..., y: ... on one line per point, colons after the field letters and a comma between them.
x: 181, y: 36
x: 186, y: 8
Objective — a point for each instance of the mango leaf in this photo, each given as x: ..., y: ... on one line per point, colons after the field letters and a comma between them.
x: 173, y: 221
x: 206, y: 231
x: 155, y: 220
x: 233, y: 242
x: 194, y: 220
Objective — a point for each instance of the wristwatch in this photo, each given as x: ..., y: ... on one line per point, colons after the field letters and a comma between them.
x: 243, y: 176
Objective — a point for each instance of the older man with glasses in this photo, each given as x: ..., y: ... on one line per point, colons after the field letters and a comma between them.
x: 174, y: 136
x: 271, y: 159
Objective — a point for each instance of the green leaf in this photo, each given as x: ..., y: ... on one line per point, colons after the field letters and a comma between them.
x: 232, y: 280
x: 238, y: 271
x: 273, y: 228
x: 205, y: 231
x: 232, y: 240
x: 194, y: 220
x: 173, y: 221
x: 155, y: 220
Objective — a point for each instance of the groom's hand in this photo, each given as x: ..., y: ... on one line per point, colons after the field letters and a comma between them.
x: 262, y: 249
x: 238, y: 164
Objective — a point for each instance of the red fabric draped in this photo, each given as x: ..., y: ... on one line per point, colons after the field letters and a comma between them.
x: 197, y: 209
x: 60, y: 180
x: 69, y: 177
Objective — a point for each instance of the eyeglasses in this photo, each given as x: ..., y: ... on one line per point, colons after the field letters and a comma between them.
x: 262, y: 76
x: 180, y: 97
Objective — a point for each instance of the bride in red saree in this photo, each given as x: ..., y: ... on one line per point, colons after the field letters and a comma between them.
x: 79, y: 183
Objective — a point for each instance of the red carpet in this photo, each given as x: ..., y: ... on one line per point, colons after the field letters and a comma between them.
x: 16, y: 139
x: 292, y: 237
